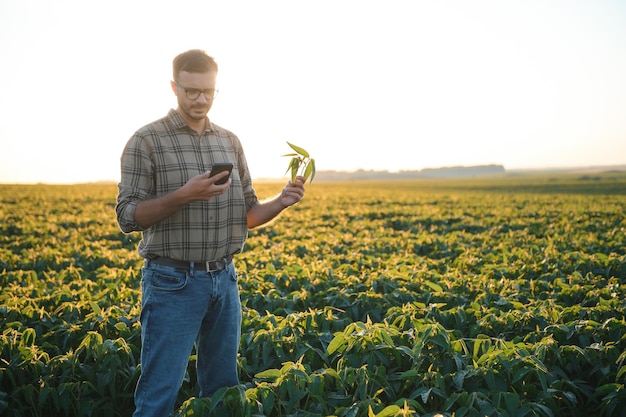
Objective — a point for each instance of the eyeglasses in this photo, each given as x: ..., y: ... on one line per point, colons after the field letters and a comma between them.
x: 194, y: 93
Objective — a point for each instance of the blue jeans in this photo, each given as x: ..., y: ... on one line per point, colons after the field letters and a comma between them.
x: 179, y: 309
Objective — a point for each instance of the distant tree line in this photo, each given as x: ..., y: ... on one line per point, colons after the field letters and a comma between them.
x: 444, y: 172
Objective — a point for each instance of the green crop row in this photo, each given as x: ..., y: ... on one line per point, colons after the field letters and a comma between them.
x: 499, y: 297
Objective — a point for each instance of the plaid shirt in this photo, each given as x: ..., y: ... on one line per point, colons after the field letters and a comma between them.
x: 160, y: 158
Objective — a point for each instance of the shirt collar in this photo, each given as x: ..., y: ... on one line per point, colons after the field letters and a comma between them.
x: 180, y: 123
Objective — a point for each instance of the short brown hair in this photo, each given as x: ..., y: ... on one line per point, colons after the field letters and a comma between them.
x: 194, y: 60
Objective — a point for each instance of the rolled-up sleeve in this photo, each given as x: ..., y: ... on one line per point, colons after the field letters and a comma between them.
x: 125, y: 210
x: 136, y: 183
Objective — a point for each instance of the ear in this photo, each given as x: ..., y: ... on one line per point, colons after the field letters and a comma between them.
x: 173, y: 84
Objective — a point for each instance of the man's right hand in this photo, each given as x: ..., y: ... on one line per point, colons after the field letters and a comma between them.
x: 201, y: 187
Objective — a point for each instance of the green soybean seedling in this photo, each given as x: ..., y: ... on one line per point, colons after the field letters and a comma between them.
x: 301, y: 163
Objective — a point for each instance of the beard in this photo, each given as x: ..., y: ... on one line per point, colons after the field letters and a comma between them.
x: 196, y: 112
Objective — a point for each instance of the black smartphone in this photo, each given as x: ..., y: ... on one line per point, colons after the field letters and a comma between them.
x: 221, y: 167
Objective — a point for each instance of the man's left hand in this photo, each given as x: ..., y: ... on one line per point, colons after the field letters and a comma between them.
x: 293, y: 192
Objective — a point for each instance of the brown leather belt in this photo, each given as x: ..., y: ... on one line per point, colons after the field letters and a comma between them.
x: 208, y: 266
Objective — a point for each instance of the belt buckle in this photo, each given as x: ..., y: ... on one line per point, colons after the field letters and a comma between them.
x: 218, y: 265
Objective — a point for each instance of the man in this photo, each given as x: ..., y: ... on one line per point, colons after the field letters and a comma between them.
x: 191, y: 229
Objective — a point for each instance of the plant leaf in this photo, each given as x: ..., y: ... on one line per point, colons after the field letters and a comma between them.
x: 308, y: 170
x: 295, y: 165
x: 390, y: 410
x: 295, y: 162
x: 268, y: 373
x: 300, y: 150
x: 337, y: 344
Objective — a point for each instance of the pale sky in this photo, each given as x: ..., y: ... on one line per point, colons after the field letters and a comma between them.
x: 382, y: 85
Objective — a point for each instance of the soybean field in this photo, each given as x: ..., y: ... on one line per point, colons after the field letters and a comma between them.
x: 502, y: 296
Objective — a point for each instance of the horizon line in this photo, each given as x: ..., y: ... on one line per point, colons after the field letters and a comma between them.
x: 574, y: 168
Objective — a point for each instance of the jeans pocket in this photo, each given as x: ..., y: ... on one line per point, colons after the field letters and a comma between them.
x: 164, y: 282
x: 232, y: 272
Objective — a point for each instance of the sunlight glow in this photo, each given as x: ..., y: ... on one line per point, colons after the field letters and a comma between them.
x: 361, y: 84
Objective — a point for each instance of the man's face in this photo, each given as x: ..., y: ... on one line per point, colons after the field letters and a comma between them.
x: 187, y: 85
